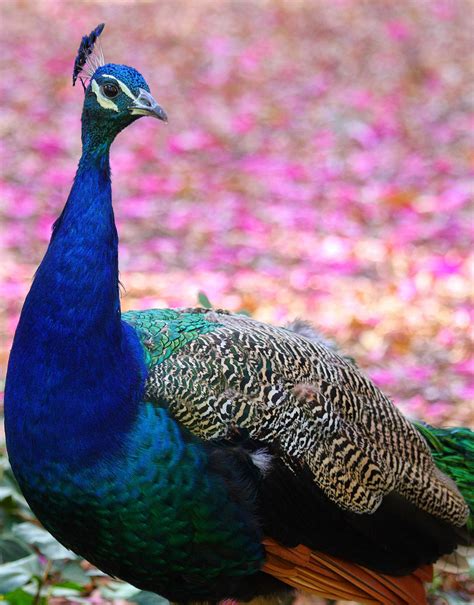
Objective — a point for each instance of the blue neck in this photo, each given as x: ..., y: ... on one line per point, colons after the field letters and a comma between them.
x: 75, y: 370
x: 76, y: 285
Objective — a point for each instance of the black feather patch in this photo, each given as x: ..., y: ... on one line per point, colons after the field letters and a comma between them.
x: 85, y: 49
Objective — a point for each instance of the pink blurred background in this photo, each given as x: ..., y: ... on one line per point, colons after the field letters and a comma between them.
x: 318, y: 163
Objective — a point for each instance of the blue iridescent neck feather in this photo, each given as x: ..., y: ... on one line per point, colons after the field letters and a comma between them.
x: 75, y: 370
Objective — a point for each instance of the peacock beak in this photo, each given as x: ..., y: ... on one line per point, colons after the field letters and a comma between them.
x: 145, y: 105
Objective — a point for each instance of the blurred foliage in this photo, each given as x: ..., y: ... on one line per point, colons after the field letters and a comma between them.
x: 318, y: 163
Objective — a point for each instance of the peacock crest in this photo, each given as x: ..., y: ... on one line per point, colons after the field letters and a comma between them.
x: 89, y: 56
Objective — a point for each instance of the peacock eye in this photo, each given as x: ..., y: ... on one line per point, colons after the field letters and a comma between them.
x: 110, y: 90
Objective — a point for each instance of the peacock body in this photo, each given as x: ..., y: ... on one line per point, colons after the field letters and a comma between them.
x: 205, y: 455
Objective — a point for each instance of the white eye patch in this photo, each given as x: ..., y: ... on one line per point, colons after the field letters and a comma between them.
x: 108, y: 103
x: 123, y: 86
x: 101, y: 99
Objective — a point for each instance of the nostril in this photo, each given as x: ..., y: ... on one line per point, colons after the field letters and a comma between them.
x: 144, y: 101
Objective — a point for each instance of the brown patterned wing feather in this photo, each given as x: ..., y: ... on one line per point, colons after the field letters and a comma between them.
x: 300, y: 396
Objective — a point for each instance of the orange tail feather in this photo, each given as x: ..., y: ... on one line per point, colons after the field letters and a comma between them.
x: 332, y: 578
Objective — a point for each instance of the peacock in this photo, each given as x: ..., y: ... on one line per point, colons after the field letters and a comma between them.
x: 204, y: 455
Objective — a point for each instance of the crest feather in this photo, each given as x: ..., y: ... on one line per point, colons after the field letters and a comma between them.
x: 87, y: 60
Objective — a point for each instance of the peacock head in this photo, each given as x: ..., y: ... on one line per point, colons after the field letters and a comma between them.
x: 115, y: 95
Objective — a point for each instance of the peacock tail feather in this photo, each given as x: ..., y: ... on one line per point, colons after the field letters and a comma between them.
x: 453, y: 452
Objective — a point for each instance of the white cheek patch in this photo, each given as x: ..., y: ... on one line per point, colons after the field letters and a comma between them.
x: 103, y: 101
x: 123, y: 86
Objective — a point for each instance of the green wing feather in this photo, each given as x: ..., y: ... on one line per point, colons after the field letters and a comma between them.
x: 162, y: 332
x: 453, y: 453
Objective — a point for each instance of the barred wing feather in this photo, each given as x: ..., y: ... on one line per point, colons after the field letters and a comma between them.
x: 219, y: 373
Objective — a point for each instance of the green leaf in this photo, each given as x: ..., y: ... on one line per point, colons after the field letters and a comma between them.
x: 244, y: 312
x: 64, y: 591
x: 12, y: 549
x: 70, y: 586
x: 9, y: 496
x: 148, y: 598
x: 204, y: 301
x: 18, y: 597
x: 43, y: 540
x: 452, y: 599
x: 73, y: 573
x: 5, y: 492
x: 17, y: 573
x: 119, y: 590
x: 122, y: 590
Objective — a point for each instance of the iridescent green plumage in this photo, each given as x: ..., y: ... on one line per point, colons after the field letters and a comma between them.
x: 163, y: 331
x: 155, y: 512
x: 453, y: 453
